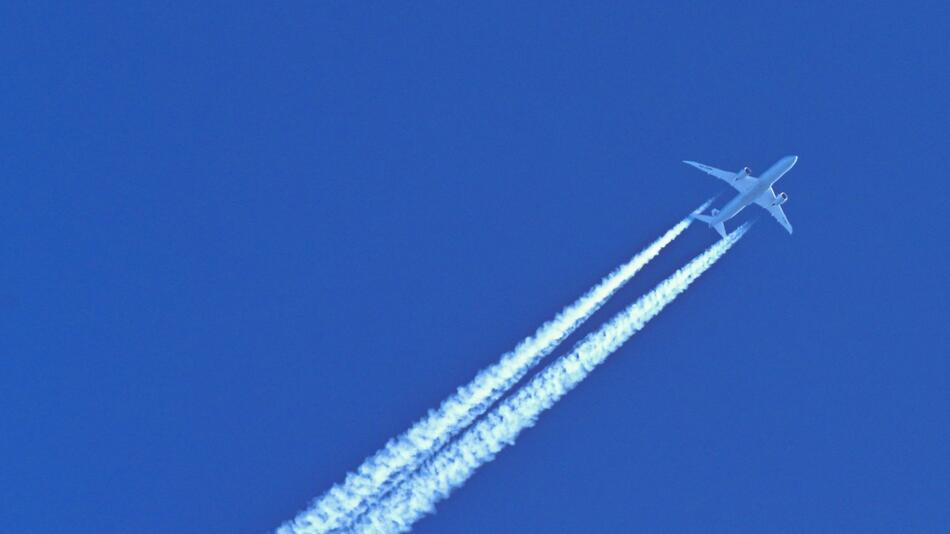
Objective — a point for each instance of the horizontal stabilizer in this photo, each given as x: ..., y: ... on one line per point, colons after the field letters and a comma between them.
x: 720, y: 227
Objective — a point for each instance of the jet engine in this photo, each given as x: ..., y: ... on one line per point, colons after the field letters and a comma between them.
x: 780, y: 199
x: 714, y: 212
x: 742, y: 174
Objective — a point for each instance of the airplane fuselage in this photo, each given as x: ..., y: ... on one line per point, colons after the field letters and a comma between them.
x: 765, y: 181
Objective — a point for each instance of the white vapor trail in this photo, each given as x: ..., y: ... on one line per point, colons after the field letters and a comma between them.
x: 342, y: 504
x: 450, y: 468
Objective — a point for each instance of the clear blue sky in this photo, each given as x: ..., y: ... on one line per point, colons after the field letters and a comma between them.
x: 243, y: 247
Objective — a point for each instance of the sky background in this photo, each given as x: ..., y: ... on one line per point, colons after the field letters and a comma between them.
x: 243, y: 247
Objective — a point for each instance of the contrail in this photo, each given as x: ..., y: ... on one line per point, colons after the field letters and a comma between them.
x: 343, y: 503
x: 456, y: 463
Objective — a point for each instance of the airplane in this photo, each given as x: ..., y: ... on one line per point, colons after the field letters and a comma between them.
x: 751, y: 190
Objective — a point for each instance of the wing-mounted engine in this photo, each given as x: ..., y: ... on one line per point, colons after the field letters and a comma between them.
x: 742, y: 174
x: 780, y: 199
x: 714, y: 212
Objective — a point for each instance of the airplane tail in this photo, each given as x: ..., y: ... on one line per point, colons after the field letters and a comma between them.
x: 720, y: 227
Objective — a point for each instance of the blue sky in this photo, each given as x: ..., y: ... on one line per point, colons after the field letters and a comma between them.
x: 244, y: 246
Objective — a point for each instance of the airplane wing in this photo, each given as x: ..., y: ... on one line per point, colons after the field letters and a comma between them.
x: 765, y: 200
x: 742, y: 184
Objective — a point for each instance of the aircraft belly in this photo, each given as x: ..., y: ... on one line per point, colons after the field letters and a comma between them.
x: 739, y: 203
x: 776, y: 171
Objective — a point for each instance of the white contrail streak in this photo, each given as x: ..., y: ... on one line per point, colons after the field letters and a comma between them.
x: 449, y: 469
x: 342, y: 504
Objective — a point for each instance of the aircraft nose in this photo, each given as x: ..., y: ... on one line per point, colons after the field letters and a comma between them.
x: 791, y: 160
